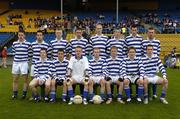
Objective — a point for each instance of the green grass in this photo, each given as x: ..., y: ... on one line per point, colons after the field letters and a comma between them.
x: 24, y: 109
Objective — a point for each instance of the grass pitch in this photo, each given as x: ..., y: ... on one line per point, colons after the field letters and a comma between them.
x: 25, y: 109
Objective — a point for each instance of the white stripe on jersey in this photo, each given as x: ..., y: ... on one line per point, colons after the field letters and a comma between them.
x: 119, y: 43
x: 151, y: 65
x: 135, y: 42
x: 36, y: 47
x: 21, y: 51
x: 96, y: 67
x: 42, y: 68
x: 155, y: 43
x: 132, y: 67
x: 113, y: 67
x: 55, y: 45
x: 59, y: 69
x: 83, y: 43
x: 101, y: 43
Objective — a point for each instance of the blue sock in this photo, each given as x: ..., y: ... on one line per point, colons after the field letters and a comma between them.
x: 127, y: 91
x: 140, y: 91
x: 154, y: 86
x: 91, y: 96
x: 53, y: 94
x: 64, y: 96
x: 109, y: 95
x: 102, y: 95
x: 145, y: 96
x: 85, y: 93
x: 163, y: 94
x: 70, y: 92
x: 15, y: 93
x: 119, y: 96
x: 24, y: 93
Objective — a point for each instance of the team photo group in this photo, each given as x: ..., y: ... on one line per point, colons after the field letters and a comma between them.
x: 107, y: 63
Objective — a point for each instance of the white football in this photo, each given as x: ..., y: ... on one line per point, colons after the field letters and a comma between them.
x: 77, y: 99
x: 97, y: 99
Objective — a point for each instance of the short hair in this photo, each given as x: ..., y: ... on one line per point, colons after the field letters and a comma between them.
x: 21, y: 31
x: 61, y: 50
x: 133, y: 26
x: 78, y: 47
x: 149, y: 45
x: 43, y: 49
x: 80, y: 29
x: 117, y: 30
x: 131, y: 48
x: 40, y: 31
x: 113, y: 47
x: 150, y: 28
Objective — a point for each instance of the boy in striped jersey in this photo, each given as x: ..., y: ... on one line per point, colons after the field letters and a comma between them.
x: 134, y: 40
x: 42, y: 75
x: 78, y: 41
x: 118, y: 42
x: 113, y: 74
x: 156, y: 49
x: 59, y: 71
x: 21, y: 51
x: 58, y: 43
x: 96, y: 67
x: 78, y: 73
x: 133, y: 72
x: 151, y: 63
x: 100, y: 41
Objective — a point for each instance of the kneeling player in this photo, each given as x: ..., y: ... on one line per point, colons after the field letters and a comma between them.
x: 59, y: 71
x: 96, y: 74
x: 133, y: 72
x: 151, y: 63
x: 41, y: 75
x: 78, y: 74
x: 113, y: 75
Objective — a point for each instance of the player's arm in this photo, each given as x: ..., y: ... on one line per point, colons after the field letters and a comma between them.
x: 162, y: 69
x: 141, y: 68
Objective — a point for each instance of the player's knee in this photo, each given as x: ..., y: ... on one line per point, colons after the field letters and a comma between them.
x: 126, y: 82
x: 165, y: 82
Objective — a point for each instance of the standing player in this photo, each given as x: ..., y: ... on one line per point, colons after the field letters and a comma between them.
x: 21, y: 51
x: 58, y: 43
x: 151, y: 63
x: 113, y: 75
x: 118, y: 42
x: 36, y: 47
x: 100, y: 41
x: 59, y: 71
x: 41, y: 76
x: 78, y: 41
x: 96, y: 67
x: 134, y: 40
x: 78, y: 71
x: 133, y: 72
x: 156, y: 49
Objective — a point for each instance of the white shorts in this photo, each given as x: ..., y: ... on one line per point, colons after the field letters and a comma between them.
x: 78, y: 79
x: 114, y: 78
x: 96, y: 79
x: 153, y: 79
x: 133, y: 78
x: 32, y: 70
x: 20, y: 68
